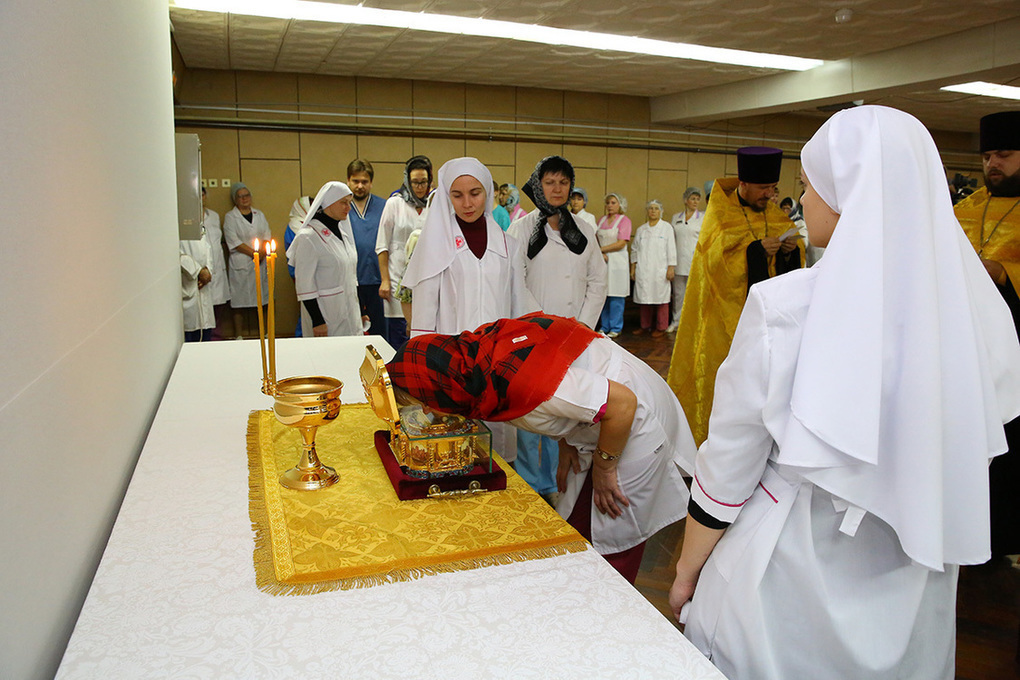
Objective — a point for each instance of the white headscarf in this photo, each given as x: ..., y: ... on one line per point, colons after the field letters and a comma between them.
x: 330, y: 193
x: 298, y: 212
x: 909, y: 362
x: 441, y: 236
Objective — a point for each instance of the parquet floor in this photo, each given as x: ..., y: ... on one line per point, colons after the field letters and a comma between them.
x: 988, y: 598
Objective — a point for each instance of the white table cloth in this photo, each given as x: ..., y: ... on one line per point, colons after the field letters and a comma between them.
x: 175, y: 595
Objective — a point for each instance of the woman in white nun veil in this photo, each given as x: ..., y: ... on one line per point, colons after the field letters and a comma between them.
x: 845, y: 474
x: 325, y: 265
x: 465, y: 271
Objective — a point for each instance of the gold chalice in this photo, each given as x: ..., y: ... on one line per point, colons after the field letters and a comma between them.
x: 307, y: 403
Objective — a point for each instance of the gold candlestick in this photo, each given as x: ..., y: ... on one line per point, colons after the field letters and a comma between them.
x: 258, y: 306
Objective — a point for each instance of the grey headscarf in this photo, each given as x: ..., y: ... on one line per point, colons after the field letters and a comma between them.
x: 571, y: 235
x: 406, y: 191
x: 690, y: 192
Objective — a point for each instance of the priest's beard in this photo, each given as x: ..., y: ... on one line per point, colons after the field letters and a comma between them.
x: 1004, y: 186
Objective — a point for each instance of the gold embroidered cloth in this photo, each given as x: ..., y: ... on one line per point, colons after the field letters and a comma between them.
x: 356, y: 533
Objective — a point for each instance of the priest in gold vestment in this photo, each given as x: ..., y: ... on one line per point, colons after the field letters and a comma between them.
x: 741, y: 243
x: 991, y: 219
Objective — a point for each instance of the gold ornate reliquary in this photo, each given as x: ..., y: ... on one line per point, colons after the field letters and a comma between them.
x: 425, y: 445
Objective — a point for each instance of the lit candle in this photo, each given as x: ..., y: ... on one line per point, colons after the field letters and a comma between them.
x: 258, y: 305
x: 271, y: 258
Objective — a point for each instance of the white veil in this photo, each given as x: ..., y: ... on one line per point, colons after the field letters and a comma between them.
x: 909, y: 362
x: 441, y: 236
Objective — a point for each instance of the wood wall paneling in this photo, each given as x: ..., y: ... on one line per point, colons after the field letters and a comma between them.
x: 274, y: 185
x: 333, y: 95
x: 324, y: 157
x: 438, y: 150
x: 272, y: 96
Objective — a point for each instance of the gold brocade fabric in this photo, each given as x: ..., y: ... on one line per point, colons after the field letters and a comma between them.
x: 356, y: 533
x: 1004, y: 244
x: 716, y: 291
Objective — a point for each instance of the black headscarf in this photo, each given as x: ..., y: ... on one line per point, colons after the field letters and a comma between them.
x: 572, y: 236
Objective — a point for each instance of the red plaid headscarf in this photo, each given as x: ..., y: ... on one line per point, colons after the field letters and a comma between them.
x: 498, y: 372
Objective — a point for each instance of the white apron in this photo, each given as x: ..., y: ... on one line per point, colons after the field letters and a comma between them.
x: 653, y: 250
x: 237, y: 230
x: 618, y: 262
x: 325, y: 269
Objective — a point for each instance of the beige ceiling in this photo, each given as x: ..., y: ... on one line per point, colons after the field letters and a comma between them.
x: 896, y: 52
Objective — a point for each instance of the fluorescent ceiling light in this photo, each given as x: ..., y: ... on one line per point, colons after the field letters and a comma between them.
x: 443, y: 23
x: 986, y: 89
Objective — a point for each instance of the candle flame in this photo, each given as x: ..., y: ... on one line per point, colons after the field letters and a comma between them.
x: 255, y: 245
x: 273, y: 249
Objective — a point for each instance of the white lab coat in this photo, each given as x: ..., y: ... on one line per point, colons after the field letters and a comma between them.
x: 397, y: 222
x: 588, y: 217
x: 471, y: 291
x: 618, y: 267
x: 686, y: 233
x: 650, y: 468
x: 563, y: 282
x: 325, y: 269
x: 214, y: 233
x: 198, y: 302
x: 653, y: 251
x: 796, y: 588
x: 237, y: 230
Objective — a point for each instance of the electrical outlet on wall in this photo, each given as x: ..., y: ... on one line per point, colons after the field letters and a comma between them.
x: 225, y: 182
x: 203, y: 184
x: 213, y: 184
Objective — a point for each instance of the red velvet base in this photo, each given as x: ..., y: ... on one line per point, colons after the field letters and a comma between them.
x: 410, y: 488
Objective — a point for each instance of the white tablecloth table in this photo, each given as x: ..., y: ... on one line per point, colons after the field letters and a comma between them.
x: 175, y: 595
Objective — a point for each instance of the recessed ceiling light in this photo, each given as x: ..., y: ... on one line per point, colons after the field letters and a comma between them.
x: 986, y: 89
x: 443, y: 23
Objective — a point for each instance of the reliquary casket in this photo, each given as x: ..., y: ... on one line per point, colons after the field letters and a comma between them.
x: 426, y: 446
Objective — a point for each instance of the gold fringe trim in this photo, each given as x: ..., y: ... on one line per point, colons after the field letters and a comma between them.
x: 264, y: 574
x: 265, y: 571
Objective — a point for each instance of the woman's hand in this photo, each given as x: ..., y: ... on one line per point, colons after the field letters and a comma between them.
x: 321, y: 331
x: 569, y: 462
x: 680, y: 592
x: 606, y: 489
x: 384, y: 289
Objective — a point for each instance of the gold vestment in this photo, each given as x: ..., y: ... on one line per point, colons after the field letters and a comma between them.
x: 1001, y: 236
x: 716, y: 291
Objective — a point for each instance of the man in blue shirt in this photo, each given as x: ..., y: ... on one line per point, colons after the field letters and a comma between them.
x: 364, y: 216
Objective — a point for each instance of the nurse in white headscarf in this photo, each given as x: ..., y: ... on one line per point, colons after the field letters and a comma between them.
x: 846, y: 465
x: 465, y: 270
x: 325, y: 263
